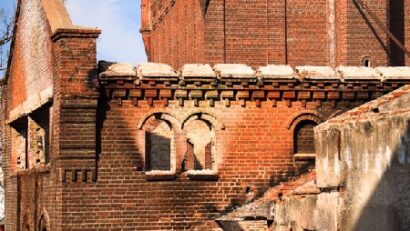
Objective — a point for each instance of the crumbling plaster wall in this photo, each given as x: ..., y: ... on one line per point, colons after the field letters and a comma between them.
x: 363, y: 172
x: 369, y: 159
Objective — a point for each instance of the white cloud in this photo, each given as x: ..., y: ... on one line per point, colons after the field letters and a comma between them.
x: 119, y: 21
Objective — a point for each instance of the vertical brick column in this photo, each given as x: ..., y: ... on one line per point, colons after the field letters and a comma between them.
x: 75, y: 107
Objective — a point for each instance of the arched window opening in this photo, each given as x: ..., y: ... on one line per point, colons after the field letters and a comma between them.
x: 42, y: 225
x: 200, y: 145
x: 159, y: 145
x: 366, y: 62
x: 304, y: 142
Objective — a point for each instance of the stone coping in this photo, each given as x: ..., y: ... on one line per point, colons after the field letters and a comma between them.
x: 111, y: 71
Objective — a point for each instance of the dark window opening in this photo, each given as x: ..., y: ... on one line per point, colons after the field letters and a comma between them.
x: 42, y: 226
x: 31, y: 139
x: 158, y: 141
x: 304, y: 142
x: 366, y: 62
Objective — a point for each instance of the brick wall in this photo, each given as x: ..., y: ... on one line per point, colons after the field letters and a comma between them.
x: 178, y: 36
x: 30, y: 73
x: 31, y: 65
x: 255, y: 149
x: 43, y: 62
x: 297, y: 32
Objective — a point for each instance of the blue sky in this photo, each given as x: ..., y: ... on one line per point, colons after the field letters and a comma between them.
x: 119, y: 21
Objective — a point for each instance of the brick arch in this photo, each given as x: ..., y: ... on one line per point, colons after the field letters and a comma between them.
x: 305, y: 116
x: 162, y: 115
x: 203, y: 115
x: 163, y: 141
x: 44, y: 221
x: 200, y: 129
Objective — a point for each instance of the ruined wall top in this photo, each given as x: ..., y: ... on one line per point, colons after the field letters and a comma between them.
x: 394, y: 103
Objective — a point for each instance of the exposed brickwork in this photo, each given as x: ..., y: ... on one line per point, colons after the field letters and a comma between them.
x: 148, y: 148
x: 31, y: 66
x: 296, y: 32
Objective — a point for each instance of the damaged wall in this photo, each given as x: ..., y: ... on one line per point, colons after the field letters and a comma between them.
x: 363, y: 171
x: 367, y: 159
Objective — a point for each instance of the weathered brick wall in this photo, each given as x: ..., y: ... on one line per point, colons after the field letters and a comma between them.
x: 74, y: 143
x: 178, y: 36
x: 362, y: 167
x: 46, y: 60
x: 307, y: 32
x: 31, y: 67
x: 297, y: 32
x: 255, y: 149
x: 30, y: 73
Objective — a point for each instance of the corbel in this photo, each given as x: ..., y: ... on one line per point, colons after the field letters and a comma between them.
x: 181, y: 95
x: 196, y: 95
x: 212, y: 96
x: 118, y: 94
x: 150, y: 95
x: 228, y: 96
x: 165, y: 95
x: 274, y: 96
x: 135, y: 95
x: 243, y: 96
x: 319, y: 96
x: 289, y: 96
x: 258, y: 96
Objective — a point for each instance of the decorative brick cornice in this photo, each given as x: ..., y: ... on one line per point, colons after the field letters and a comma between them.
x: 236, y: 82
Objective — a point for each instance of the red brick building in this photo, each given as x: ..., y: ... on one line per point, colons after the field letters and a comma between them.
x: 112, y: 146
x: 260, y: 32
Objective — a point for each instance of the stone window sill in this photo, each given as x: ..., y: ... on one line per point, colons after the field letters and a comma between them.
x: 305, y: 156
x: 202, y: 175
x: 160, y: 175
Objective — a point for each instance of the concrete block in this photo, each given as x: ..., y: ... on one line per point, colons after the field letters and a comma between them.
x: 316, y: 73
x: 155, y: 70
x: 240, y: 71
x: 358, y: 73
x: 277, y: 72
x: 197, y: 70
x: 394, y: 73
x: 117, y: 70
